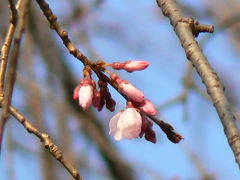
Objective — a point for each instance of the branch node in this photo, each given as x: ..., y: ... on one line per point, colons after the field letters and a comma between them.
x: 51, y: 147
x: 196, y: 27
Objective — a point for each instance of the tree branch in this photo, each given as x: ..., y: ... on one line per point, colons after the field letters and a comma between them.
x: 5, y: 53
x: 209, y: 77
x: 45, y: 139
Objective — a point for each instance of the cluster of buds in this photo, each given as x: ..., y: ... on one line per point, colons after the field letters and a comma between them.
x: 129, y: 123
x: 86, y: 93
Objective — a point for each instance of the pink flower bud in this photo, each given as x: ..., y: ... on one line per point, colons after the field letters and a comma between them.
x: 148, y: 107
x: 126, y: 124
x: 131, y: 92
x: 75, y: 93
x: 131, y: 66
x: 147, y: 130
x: 96, y: 99
x: 85, y: 96
x: 127, y: 89
x: 84, y: 92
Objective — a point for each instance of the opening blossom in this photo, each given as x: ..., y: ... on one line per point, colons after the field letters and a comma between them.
x: 126, y: 124
x: 131, y: 124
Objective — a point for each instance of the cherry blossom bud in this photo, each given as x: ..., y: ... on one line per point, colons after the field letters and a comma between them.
x: 96, y: 98
x: 131, y: 66
x: 84, y: 92
x: 75, y: 93
x: 150, y: 135
x: 126, y: 124
x: 110, y: 104
x: 148, y: 107
x: 85, y: 96
x: 101, y: 103
x: 131, y: 92
x: 147, y: 130
x: 144, y: 125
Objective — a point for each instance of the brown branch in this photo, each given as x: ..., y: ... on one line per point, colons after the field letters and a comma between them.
x: 14, y: 12
x: 11, y: 74
x: 167, y: 129
x: 209, y: 77
x: 7, y: 43
x: 45, y: 139
x: 5, y: 53
x: 86, y: 61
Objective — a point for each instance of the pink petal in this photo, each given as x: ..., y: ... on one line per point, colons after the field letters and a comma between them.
x: 113, y: 123
x: 85, y: 96
x: 130, y: 123
x: 131, y: 92
x: 148, y: 108
x: 131, y: 66
x: 76, y: 92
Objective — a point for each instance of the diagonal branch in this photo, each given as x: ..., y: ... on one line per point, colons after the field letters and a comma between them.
x: 5, y: 53
x: 45, y: 139
x: 73, y: 50
x: 11, y: 74
x: 214, y: 87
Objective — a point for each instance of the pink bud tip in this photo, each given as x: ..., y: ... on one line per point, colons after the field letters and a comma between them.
x: 131, y: 92
x: 148, y: 108
x: 85, y: 96
x: 131, y: 66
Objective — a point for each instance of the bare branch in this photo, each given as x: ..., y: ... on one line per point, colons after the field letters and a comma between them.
x: 209, y: 77
x: 45, y: 139
x: 5, y: 53
x: 14, y: 12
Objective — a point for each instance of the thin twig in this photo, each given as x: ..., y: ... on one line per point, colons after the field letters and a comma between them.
x: 14, y: 12
x: 86, y: 61
x: 11, y: 74
x: 209, y: 77
x: 5, y: 53
x: 45, y: 139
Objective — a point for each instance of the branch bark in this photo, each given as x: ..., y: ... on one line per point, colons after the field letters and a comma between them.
x: 214, y: 87
x: 45, y: 139
x: 5, y: 53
